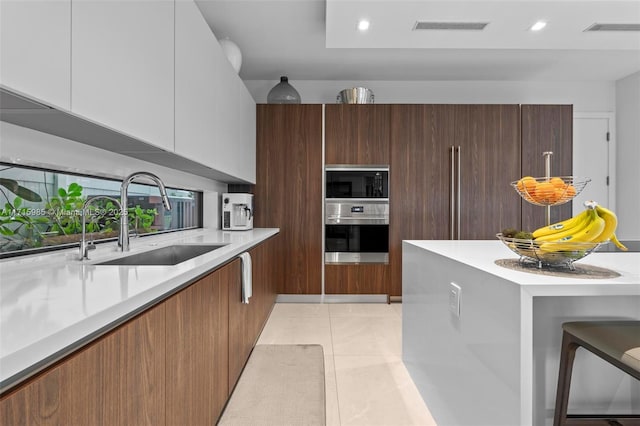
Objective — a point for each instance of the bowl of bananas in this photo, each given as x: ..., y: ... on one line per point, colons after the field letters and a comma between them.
x: 548, y: 254
x: 563, y: 243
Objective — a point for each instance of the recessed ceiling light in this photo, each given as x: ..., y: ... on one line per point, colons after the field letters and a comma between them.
x: 538, y: 26
x: 363, y: 25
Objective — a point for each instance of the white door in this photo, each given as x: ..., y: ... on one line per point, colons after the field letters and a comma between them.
x: 593, y: 156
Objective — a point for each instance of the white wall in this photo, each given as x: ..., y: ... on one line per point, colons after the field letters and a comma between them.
x: 19, y: 145
x: 588, y: 96
x: 628, y: 156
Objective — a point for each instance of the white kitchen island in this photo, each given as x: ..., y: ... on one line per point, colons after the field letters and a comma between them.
x: 497, y: 362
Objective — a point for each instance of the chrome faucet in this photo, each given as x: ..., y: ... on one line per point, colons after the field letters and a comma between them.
x: 123, y: 239
x: 84, y: 246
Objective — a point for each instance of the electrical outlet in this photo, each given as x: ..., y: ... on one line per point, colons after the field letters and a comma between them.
x: 454, y: 299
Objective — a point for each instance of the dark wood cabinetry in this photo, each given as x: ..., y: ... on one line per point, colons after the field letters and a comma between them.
x: 357, y: 134
x: 117, y: 380
x: 365, y: 278
x: 174, y: 364
x: 546, y: 128
x: 212, y: 334
x: 444, y: 160
x: 240, y: 331
x: 264, y: 285
x: 452, y: 159
x: 288, y: 192
x: 419, y: 195
x: 247, y: 320
x: 489, y: 141
x: 197, y: 358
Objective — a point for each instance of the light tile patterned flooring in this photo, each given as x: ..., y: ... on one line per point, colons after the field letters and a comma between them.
x: 366, y: 382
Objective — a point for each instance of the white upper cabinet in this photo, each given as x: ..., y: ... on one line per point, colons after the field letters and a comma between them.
x: 151, y: 70
x: 35, y: 49
x: 214, y: 112
x: 122, y: 67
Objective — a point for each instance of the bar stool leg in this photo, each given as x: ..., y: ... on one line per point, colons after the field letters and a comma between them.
x: 567, y: 355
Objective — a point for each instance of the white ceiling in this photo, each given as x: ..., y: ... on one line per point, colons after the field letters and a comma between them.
x: 318, y: 40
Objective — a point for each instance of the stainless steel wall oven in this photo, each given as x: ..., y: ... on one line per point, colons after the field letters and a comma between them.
x: 357, y: 214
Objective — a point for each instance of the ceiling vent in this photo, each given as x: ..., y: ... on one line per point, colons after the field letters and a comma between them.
x: 458, y: 26
x: 614, y: 27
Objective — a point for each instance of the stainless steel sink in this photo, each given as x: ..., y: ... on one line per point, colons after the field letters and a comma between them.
x: 169, y: 255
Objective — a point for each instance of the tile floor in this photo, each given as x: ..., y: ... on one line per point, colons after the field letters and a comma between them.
x: 365, y: 379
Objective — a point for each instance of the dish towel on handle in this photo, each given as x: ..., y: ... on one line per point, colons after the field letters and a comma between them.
x: 247, y: 286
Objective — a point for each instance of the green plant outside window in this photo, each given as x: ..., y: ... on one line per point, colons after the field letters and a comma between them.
x: 43, y: 209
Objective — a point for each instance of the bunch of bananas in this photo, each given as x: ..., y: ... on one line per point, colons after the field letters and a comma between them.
x: 595, y: 224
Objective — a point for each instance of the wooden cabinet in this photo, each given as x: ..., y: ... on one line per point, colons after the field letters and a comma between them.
x: 489, y: 140
x: 122, y: 71
x: 173, y: 364
x: 546, y: 128
x: 264, y: 286
x: 35, y: 49
x: 241, y: 329
x: 215, y: 114
x: 288, y: 192
x: 365, y: 278
x: 247, y: 320
x: 197, y: 356
x: 118, y: 380
x: 419, y: 195
x: 357, y: 134
x: 430, y: 144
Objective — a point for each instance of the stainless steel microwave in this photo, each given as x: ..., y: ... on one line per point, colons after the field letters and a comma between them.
x: 356, y: 181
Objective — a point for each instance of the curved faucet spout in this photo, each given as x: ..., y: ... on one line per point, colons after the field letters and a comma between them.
x: 123, y: 240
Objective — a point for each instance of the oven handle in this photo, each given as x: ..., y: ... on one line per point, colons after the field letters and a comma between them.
x: 357, y: 200
x: 357, y: 221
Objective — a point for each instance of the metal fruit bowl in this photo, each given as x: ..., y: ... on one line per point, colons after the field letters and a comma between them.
x: 571, y: 186
x: 562, y: 253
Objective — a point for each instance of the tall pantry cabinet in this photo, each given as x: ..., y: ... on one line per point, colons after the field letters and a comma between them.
x: 289, y: 192
x: 454, y: 164
x: 488, y: 138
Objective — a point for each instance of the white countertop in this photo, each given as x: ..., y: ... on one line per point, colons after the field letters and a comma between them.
x: 51, y: 304
x: 482, y: 254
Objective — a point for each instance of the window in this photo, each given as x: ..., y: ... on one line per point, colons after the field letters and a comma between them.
x: 42, y: 209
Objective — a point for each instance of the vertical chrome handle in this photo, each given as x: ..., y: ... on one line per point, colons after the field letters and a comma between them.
x: 453, y: 192
x: 459, y: 188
